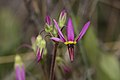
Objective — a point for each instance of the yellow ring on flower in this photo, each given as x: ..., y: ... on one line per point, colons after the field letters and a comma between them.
x: 70, y: 42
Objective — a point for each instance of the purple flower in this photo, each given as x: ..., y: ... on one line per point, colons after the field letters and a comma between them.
x: 20, y: 72
x: 70, y: 41
x: 48, y: 20
x: 39, y: 54
x: 19, y: 68
x: 40, y: 47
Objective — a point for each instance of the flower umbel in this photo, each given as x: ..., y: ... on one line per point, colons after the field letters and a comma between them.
x: 70, y: 41
x: 19, y: 68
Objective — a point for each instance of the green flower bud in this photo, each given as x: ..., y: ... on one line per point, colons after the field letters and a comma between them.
x: 48, y: 28
x: 62, y: 18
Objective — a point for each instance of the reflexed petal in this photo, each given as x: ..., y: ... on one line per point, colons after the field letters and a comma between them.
x: 70, y: 30
x: 56, y: 39
x: 42, y: 52
x: 19, y: 68
x: 18, y: 72
x: 84, y: 29
x: 38, y: 55
x: 59, y: 31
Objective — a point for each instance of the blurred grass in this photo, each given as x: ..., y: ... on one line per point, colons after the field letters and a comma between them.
x: 9, y: 38
x: 9, y: 32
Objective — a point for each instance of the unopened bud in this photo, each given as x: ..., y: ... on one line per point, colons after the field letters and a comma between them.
x: 48, y: 20
x: 48, y: 27
x: 62, y: 18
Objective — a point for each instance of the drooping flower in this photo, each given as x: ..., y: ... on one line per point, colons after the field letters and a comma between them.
x: 70, y: 41
x: 38, y: 46
x: 19, y: 68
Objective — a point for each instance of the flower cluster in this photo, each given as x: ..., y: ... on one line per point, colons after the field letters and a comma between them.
x: 70, y: 41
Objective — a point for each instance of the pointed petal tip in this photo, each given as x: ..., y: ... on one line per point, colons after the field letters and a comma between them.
x: 70, y: 30
x: 88, y: 23
x: 56, y: 39
x: 83, y: 31
x: 54, y: 20
x: 48, y: 20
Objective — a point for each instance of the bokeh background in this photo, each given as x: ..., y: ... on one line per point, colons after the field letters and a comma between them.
x: 97, y: 55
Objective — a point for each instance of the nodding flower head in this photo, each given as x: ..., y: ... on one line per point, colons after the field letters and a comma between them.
x: 70, y: 41
x: 19, y: 68
x: 40, y: 47
x: 48, y: 27
x: 62, y: 18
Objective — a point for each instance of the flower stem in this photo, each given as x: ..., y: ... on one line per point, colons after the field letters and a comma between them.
x: 53, y: 62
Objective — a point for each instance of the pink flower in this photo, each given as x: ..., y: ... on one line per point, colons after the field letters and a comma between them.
x: 19, y: 68
x: 70, y: 41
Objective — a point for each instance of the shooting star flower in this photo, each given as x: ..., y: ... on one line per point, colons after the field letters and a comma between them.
x: 70, y: 41
x: 40, y: 47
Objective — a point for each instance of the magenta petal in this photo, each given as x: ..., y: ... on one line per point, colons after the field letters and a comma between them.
x: 20, y: 72
x: 59, y: 31
x: 38, y: 55
x: 70, y: 30
x: 84, y: 29
x: 56, y: 39
x: 47, y: 20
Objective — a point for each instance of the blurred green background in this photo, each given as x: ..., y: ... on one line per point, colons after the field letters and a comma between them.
x: 97, y: 55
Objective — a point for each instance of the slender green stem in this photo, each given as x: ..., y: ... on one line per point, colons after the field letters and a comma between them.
x: 53, y: 62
